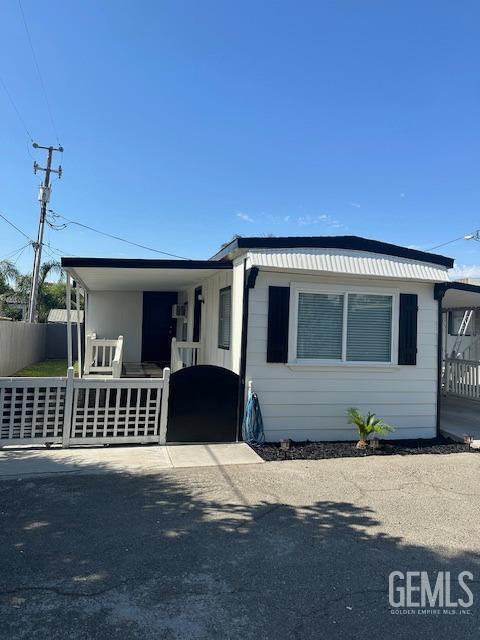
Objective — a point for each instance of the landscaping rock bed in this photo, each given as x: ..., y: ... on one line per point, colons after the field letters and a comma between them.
x: 322, y: 450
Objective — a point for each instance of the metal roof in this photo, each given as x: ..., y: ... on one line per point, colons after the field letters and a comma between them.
x: 60, y: 315
x: 352, y: 243
x: 342, y: 261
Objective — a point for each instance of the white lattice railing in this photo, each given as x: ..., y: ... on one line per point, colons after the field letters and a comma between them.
x: 184, y: 354
x: 83, y: 410
x: 32, y: 410
x: 103, y: 356
x: 461, y: 378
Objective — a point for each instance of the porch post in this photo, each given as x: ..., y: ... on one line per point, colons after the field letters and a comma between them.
x: 79, y: 334
x: 68, y: 410
x: 69, y: 321
x: 162, y: 436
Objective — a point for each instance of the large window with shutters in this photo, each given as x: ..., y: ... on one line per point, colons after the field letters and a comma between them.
x: 349, y: 326
x: 225, y: 318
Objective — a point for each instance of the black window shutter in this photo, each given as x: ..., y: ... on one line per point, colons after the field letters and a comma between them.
x: 407, y: 333
x: 278, y: 314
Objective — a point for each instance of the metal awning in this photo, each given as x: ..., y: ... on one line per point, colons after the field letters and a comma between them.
x: 125, y: 274
x: 458, y: 295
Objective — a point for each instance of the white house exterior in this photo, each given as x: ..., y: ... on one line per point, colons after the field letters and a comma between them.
x: 316, y: 324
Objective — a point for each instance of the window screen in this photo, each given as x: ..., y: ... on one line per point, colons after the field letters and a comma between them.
x: 369, y: 328
x: 224, y: 318
x: 319, y: 331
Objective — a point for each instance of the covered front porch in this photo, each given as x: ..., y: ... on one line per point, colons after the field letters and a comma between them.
x: 459, y: 361
x: 142, y: 316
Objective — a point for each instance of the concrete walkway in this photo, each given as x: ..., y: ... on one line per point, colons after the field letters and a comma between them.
x: 122, y: 459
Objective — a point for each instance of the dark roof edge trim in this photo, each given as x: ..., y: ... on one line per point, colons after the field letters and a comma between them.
x: 441, y: 288
x: 354, y: 243
x: 136, y: 263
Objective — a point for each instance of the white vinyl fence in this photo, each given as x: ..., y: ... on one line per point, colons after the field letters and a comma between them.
x: 21, y: 344
x: 462, y: 378
x: 71, y: 411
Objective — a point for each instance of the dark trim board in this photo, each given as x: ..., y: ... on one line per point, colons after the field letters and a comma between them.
x: 354, y: 243
x: 136, y: 263
x: 441, y: 288
x: 439, y: 365
x: 249, y: 280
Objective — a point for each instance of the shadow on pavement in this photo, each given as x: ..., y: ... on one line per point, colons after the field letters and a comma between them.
x: 162, y: 557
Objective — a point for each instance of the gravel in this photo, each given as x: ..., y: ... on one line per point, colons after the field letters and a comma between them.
x: 321, y: 450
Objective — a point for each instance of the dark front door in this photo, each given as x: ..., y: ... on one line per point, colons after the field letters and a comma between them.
x: 158, y: 326
x: 203, y: 405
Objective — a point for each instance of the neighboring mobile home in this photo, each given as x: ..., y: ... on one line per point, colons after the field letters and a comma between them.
x: 318, y: 324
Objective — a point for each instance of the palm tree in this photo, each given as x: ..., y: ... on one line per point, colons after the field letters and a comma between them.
x: 23, y: 286
x: 8, y: 275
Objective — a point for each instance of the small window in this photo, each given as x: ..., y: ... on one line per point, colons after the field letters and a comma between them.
x: 224, y: 318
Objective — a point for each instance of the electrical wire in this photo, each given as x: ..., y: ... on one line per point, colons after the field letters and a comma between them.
x: 37, y: 66
x: 12, y: 253
x: 64, y: 225
x: 16, y: 228
x: 444, y: 244
x: 20, y: 253
x: 17, y: 111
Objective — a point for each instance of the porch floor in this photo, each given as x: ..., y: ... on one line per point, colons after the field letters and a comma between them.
x: 142, y: 370
x: 459, y: 417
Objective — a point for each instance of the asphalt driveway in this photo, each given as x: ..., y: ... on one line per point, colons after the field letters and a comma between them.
x: 275, y: 550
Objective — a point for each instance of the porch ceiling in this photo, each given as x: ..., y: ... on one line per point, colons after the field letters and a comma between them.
x: 104, y: 274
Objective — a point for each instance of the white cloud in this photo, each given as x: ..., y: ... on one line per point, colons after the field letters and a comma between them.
x: 245, y: 217
x: 464, y: 271
x: 355, y: 204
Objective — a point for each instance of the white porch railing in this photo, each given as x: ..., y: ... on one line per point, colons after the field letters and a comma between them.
x: 71, y: 411
x: 103, y: 356
x: 184, y: 354
x: 461, y: 378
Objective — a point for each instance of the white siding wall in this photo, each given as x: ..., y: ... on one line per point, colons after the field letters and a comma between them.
x: 310, y: 402
x: 114, y: 313
x: 211, y: 354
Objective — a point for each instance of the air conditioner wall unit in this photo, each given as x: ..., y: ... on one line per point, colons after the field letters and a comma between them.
x: 179, y: 311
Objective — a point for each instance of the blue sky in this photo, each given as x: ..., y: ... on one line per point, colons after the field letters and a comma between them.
x: 186, y: 122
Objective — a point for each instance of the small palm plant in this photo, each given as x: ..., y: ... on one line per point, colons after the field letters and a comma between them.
x: 367, y: 425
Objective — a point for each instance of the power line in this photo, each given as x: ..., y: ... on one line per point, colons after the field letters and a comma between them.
x: 103, y: 233
x: 12, y: 253
x: 16, y: 228
x: 20, y: 253
x: 17, y: 111
x: 444, y: 244
x: 42, y: 83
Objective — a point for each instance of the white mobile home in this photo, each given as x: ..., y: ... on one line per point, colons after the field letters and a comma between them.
x: 317, y: 324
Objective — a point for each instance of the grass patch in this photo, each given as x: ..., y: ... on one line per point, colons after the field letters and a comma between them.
x: 54, y: 368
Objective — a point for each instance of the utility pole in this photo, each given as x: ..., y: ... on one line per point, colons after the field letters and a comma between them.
x: 44, y: 198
